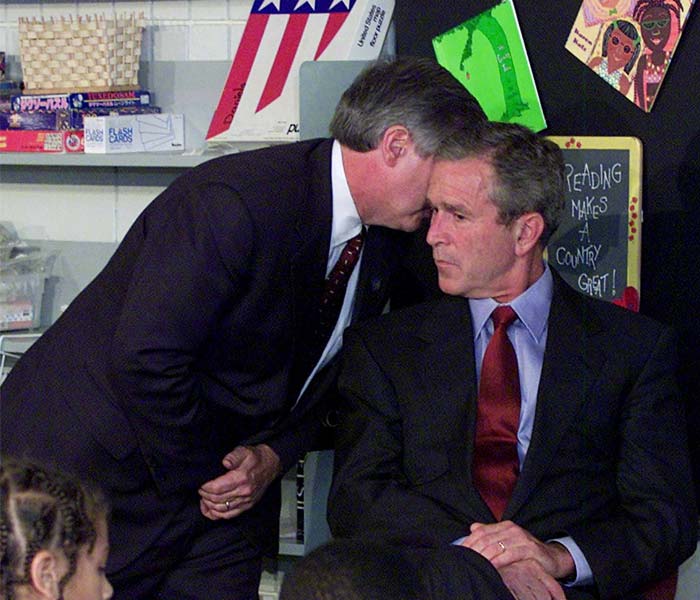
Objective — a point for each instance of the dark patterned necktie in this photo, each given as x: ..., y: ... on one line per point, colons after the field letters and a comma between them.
x: 334, y: 292
x: 495, y: 466
x: 309, y: 352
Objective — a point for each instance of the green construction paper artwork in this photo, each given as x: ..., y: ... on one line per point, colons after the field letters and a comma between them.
x: 487, y: 54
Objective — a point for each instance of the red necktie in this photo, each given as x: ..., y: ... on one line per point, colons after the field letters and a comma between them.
x: 495, y: 467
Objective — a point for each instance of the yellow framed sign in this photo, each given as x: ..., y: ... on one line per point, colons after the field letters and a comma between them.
x: 597, y: 247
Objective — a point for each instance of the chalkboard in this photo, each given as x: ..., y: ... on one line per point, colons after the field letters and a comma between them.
x: 597, y: 248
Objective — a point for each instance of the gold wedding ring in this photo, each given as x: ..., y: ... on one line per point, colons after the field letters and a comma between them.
x: 228, y: 507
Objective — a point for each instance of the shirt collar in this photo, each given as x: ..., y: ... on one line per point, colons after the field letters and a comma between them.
x: 346, y: 220
x: 532, y: 306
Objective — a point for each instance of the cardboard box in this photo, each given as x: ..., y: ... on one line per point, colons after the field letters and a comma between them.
x: 77, y: 116
x: 260, y: 99
x: 134, y: 133
x: 41, y: 141
x: 36, y: 120
x: 90, y: 100
x: 23, y: 102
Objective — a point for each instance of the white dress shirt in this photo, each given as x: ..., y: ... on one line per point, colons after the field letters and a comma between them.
x: 346, y: 224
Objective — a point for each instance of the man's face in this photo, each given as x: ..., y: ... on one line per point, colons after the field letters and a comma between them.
x: 404, y: 203
x: 474, y: 253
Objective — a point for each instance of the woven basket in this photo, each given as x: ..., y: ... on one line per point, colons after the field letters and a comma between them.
x: 87, y: 54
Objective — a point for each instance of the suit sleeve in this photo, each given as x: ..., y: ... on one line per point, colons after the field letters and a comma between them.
x: 371, y: 496
x: 654, y: 526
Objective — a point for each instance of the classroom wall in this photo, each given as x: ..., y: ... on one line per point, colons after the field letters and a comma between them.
x: 575, y: 101
x: 176, y: 30
x: 578, y: 102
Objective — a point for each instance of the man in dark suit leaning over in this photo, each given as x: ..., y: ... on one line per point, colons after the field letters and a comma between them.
x: 572, y: 476
x: 195, y: 344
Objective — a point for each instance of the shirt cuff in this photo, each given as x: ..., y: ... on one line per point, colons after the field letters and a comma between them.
x: 584, y: 575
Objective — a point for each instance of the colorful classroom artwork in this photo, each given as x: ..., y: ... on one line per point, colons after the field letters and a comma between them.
x: 629, y: 43
x: 597, y: 246
x: 487, y: 54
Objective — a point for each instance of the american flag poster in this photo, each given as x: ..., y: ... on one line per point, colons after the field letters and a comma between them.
x: 260, y: 99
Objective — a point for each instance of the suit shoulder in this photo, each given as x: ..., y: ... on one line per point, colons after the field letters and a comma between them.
x: 622, y: 320
x: 262, y: 161
x: 274, y: 183
x: 404, y: 321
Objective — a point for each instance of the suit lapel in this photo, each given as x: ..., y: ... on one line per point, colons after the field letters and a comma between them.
x: 449, y: 373
x: 379, y: 256
x: 571, y: 363
x: 312, y: 233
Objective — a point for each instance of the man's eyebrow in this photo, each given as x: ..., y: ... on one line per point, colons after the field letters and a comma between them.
x: 447, y: 206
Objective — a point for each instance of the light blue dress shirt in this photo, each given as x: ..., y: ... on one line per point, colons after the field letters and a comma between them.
x: 528, y: 334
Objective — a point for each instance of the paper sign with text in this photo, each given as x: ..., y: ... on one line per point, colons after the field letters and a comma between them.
x: 597, y: 247
x: 260, y: 100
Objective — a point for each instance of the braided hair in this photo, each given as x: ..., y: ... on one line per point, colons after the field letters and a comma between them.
x: 42, y: 509
x: 642, y: 6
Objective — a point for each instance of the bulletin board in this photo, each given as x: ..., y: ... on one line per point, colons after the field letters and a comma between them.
x: 597, y: 247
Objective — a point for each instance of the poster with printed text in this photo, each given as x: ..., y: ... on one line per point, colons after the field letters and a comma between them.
x: 260, y: 99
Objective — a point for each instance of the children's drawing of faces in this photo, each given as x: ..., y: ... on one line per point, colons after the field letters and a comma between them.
x: 603, y: 11
x: 656, y: 27
x: 619, y: 52
x: 621, y: 48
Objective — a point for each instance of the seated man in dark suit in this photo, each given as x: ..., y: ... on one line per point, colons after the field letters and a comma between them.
x: 548, y: 437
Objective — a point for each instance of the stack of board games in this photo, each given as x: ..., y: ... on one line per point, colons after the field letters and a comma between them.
x: 8, y: 87
x: 55, y: 122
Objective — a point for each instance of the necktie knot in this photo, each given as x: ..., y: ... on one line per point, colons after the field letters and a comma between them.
x: 503, y: 316
x: 341, y: 270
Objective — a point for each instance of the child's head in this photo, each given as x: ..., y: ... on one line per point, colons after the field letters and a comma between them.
x: 53, y: 536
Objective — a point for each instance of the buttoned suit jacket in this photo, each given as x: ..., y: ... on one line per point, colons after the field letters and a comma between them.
x: 607, y: 463
x: 184, y: 346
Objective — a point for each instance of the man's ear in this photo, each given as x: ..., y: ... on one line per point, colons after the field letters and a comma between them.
x: 529, y: 228
x: 45, y: 575
x: 395, y: 143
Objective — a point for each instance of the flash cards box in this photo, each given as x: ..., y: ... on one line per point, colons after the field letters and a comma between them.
x: 134, y: 133
x: 260, y: 99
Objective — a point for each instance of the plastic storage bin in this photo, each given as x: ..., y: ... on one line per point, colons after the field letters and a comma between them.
x: 22, y: 283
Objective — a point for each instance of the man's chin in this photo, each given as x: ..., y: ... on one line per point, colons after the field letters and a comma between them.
x: 448, y: 286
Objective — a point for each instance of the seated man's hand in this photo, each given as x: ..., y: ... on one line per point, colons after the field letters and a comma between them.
x: 526, y: 580
x: 251, y: 469
x: 506, y: 543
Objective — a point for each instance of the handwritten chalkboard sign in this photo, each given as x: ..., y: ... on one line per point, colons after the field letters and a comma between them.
x: 597, y: 248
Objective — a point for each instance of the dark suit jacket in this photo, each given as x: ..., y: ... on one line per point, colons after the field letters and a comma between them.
x: 608, y: 460
x: 183, y: 346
